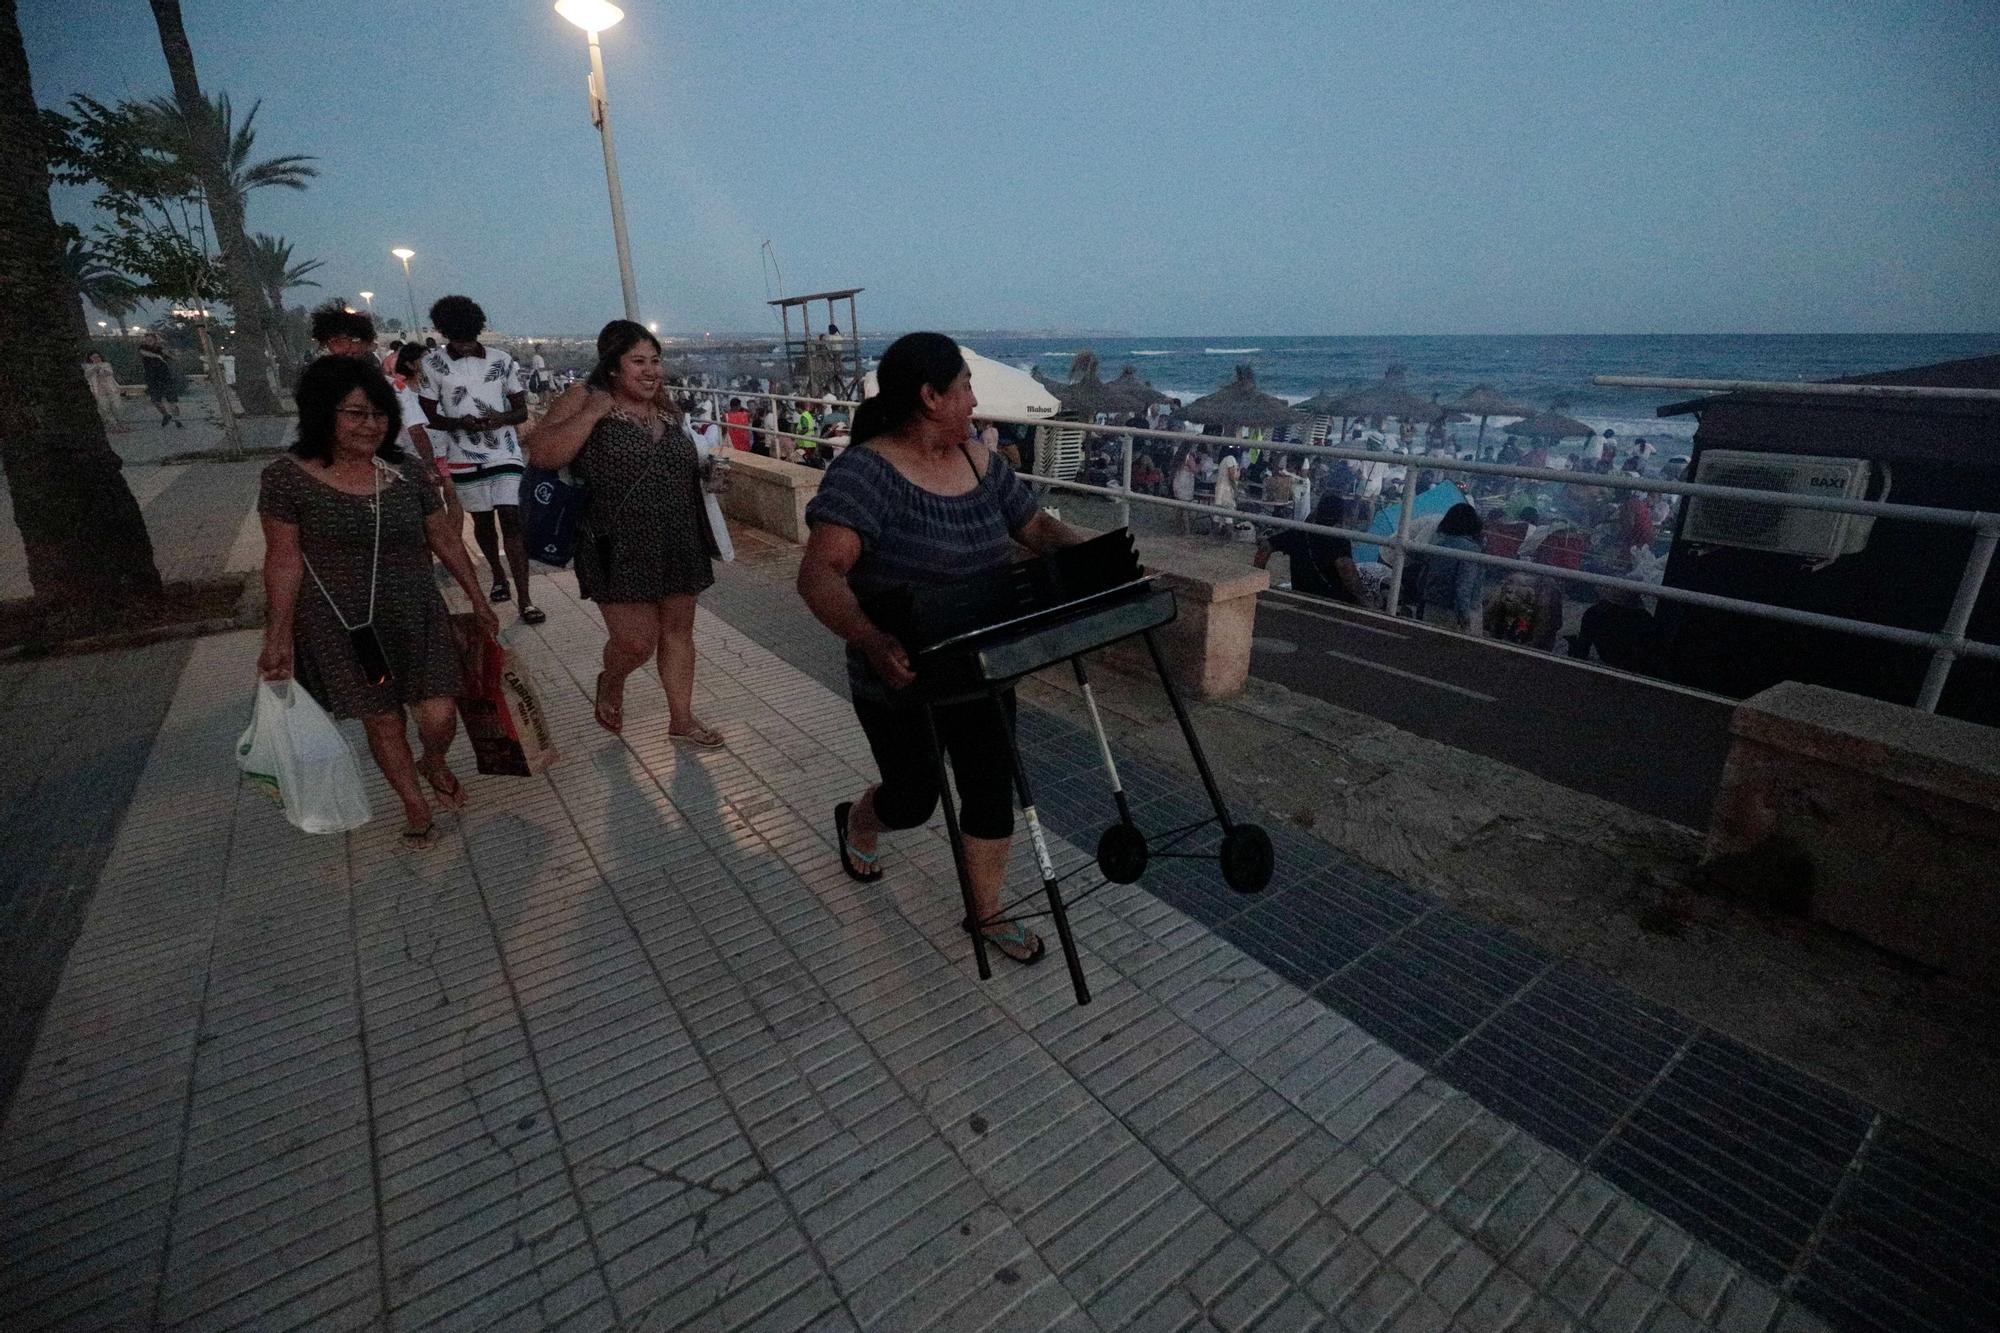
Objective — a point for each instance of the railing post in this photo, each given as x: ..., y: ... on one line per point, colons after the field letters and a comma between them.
x: 1969, y: 583
x: 1125, y: 485
x: 1402, y: 536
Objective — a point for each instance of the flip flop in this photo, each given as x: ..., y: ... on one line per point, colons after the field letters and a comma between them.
x: 451, y: 797
x: 609, y: 716
x: 870, y: 872
x: 532, y: 615
x: 501, y: 593
x: 707, y: 737
x: 1018, y: 943
x: 421, y: 839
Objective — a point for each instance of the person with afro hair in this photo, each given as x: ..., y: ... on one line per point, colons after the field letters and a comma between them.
x: 341, y: 330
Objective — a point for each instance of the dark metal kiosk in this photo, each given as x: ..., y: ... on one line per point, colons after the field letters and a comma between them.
x: 974, y: 638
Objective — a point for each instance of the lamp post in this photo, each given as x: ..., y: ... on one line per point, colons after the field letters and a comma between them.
x: 369, y: 297
x: 594, y: 16
x: 406, y: 255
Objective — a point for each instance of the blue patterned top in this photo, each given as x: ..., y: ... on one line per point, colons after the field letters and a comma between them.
x: 911, y: 537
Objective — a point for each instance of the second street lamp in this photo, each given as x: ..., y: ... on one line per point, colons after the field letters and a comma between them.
x: 369, y: 297
x: 594, y: 16
x: 406, y: 255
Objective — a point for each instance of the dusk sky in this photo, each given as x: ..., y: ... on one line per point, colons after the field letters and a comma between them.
x: 1373, y: 166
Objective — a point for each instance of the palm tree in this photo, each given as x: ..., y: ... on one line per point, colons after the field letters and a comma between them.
x: 98, y: 284
x: 276, y: 275
x: 214, y: 147
x: 231, y: 143
x: 86, y: 541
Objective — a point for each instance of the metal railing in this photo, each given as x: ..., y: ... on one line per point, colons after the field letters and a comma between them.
x: 1946, y: 645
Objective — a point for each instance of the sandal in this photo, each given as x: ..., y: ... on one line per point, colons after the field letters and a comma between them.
x: 501, y: 593
x: 532, y: 614
x: 421, y: 839
x: 609, y: 716
x: 868, y: 872
x: 450, y: 792
x: 707, y: 737
x: 1017, y: 942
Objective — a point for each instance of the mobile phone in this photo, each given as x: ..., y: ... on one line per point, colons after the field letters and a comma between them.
x: 368, y: 652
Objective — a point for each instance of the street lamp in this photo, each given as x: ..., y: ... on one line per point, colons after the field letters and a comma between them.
x: 406, y: 256
x: 594, y: 16
x: 369, y: 297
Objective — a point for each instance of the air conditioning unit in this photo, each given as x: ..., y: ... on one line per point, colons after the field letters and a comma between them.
x: 1813, y: 534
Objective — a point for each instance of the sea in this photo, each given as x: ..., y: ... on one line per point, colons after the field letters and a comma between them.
x: 1536, y: 369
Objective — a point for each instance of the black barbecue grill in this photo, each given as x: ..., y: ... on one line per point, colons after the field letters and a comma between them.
x: 975, y: 637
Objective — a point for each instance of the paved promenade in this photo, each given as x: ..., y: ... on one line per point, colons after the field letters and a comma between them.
x: 628, y: 1050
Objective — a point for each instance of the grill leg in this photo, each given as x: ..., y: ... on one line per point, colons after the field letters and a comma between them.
x: 1057, y: 912
x: 1103, y: 745
x: 1187, y: 730
x: 957, y: 841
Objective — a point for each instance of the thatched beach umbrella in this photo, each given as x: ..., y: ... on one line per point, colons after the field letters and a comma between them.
x: 1550, y: 425
x: 1085, y: 394
x: 1325, y: 403
x: 1240, y: 403
x: 1482, y: 401
x: 1132, y: 393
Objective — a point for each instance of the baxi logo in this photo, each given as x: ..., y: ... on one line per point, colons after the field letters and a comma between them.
x: 545, y: 491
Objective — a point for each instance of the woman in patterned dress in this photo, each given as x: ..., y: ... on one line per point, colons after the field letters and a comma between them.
x: 644, y: 550
x: 350, y: 526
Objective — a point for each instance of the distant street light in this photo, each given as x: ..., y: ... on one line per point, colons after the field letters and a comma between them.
x: 406, y: 256
x: 369, y: 297
x: 594, y: 16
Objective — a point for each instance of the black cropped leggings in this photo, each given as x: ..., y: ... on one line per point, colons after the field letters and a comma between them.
x: 980, y: 766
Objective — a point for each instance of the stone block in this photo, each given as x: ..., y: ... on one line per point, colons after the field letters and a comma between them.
x: 1869, y: 816
x: 770, y: 494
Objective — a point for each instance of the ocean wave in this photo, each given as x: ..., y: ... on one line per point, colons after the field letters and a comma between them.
x: 1151, y: 351
x: 1230, y: 351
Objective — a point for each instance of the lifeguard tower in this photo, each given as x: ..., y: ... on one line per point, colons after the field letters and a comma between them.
x: 822, y: 363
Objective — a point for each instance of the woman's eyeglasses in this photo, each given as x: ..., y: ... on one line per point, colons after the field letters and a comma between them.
x: 360, y: 414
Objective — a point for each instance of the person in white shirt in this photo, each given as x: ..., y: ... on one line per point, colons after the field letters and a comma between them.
x: 103, y: 381
x: 416, y: 434
x: 473, y: 396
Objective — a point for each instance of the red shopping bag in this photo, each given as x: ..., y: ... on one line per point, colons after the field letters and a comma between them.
x: 500, y: 706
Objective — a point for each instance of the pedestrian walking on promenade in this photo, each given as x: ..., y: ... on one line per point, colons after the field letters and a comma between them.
x: 416, y: 438
x: 645, y: 549
x: 158, y: 364
x: 103, y: 382
x: 912, y: 502
x: 350, y: 604
x: 474, y: 395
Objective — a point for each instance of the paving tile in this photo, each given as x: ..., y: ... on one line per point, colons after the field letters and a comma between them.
x: 1739, y: 1151
x: 1568, y: 1058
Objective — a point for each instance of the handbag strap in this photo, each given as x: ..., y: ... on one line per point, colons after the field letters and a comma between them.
x: 374, y: 561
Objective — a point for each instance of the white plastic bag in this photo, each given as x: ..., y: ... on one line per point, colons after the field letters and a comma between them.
x: 293, y: 750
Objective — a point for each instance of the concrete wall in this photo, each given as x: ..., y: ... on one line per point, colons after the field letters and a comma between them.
x: 770, y: 494
x: 1869, y: 816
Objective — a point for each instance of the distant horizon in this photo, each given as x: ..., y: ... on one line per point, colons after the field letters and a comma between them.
x: 1123, y: 334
